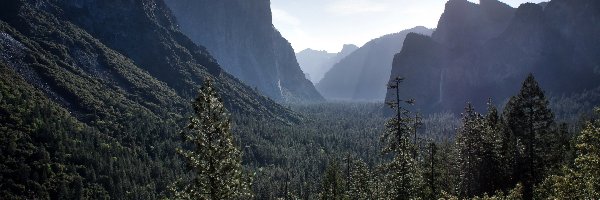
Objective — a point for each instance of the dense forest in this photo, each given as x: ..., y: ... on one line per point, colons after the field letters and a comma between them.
x: 521, y: 152
x: 336, y: 151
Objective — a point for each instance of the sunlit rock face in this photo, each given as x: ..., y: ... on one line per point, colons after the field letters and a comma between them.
x: 486, y: 50
x: 241, y: 36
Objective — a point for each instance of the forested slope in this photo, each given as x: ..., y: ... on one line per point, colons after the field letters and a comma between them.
x: 100, y: 99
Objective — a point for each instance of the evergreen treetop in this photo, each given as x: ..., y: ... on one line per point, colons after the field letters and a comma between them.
x: 215, y: 160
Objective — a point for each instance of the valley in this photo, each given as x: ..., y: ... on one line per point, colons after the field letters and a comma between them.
x: 208, y: 99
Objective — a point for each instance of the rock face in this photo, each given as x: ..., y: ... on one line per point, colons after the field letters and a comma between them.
x: 464, y: 24
x: 241, y: 36
x: 362, y: 75
x: 485, y: 50
x: 316, y: 63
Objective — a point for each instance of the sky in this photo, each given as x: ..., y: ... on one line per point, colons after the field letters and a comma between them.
x: 329, y: 24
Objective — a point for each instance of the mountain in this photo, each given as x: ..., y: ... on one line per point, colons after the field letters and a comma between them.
x: 241, y: 36
x: 474, y: 55
x: 464, y: 24
x: 362, y: 75
x: 316, y: 63
x: 311, y: 61
x: 92, y: 94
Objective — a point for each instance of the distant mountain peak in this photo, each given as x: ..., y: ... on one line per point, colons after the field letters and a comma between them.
x: 416, y: 41
x: 493, y: 4
x: 316, y: 63
x: 362, y: 75
x: 307, y: 50
x: 527, y: 9
x: 348, y: 48
x: 457, y: 3
x: 464, y: 24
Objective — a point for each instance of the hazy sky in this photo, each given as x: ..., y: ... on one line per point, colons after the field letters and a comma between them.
x: 328, y: 24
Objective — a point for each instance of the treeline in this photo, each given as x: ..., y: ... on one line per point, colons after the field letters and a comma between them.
x: 520, y: 153
x: 338, y: 151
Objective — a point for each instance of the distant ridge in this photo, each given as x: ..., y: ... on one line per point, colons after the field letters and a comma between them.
x: 362, y: 75
x: 316, y: 63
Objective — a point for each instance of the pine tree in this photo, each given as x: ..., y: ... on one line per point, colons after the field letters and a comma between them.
x: 508, y: 151
x: 214, y: 160
x: 492, y: 166
x: 470, y: 149
x: 531, y: 121
x: 402, y: 176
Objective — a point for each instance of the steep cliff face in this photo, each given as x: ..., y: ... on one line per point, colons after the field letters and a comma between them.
x: 555, y: 43
x: 465, y: 24
x: 291, y: 81
x: 316, y: 63
x: 241, y: 36
x: 424, y: 56
x: 362, y: 75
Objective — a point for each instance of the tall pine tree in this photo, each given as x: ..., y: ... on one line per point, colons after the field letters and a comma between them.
x: 401, y: 173
x: 493, y: 175
x: 470, y: 150
x: 214, y: 160
x: 531, y: 122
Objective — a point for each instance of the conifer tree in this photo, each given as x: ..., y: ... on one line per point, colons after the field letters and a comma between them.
x: 469, y: 143
x: 492, y: 166
x: 403, y: 179
x: 529, y: 118
x: 214, y: 160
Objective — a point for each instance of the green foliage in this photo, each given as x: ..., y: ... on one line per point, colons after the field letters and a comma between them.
x: 44, y: 152
x: 529, y: 120
x: 115, y: 86
x: 479, y: 144
x: 514, y: 194
x: 89, y: 110
x: 401, y: 175
x: 290, y: 159
x: 215, y: 161
x: 470, y: 146
x: 333, y: 185
x: 583, y: 180
x: 361, y: 183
